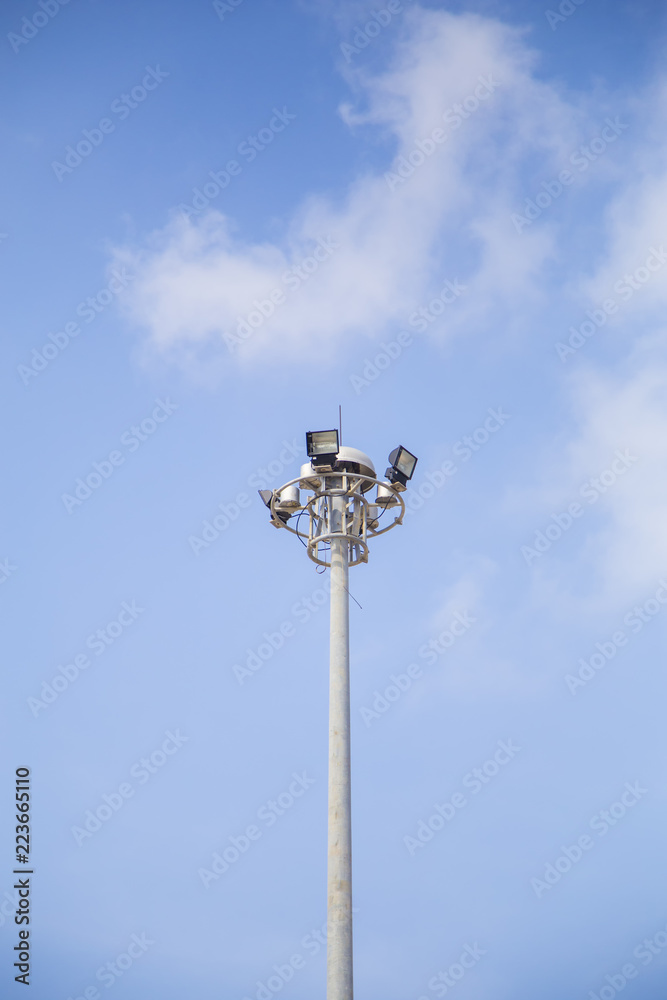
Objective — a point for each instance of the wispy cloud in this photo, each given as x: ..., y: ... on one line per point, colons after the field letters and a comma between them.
x: 198, y: 280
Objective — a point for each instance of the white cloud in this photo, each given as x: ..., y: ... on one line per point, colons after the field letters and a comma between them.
x: 614, y: 465
x: 197, y: 280
x: 636, y: 217
x: 630, y: 550
x: 623, y: 535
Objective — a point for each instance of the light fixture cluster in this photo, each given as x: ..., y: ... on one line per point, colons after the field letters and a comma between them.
x: 323, y: 449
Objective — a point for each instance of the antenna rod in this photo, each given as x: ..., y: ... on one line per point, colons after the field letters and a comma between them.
x: 340, y: 423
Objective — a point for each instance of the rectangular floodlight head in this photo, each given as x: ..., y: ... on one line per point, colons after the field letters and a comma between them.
x: 321, y: 443
x: 402, y: 467
x: 322, y: 447
x: 266, y: 496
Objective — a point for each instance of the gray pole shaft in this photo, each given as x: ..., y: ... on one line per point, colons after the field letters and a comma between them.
x: 339, y: 901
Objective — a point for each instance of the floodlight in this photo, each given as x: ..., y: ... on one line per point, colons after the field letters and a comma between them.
x: 402, y: 467
x: 284, y: 515
x: 322, y: 448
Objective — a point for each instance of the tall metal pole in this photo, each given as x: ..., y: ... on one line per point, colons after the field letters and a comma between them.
x: 339, y: 894
x: 340, y: 520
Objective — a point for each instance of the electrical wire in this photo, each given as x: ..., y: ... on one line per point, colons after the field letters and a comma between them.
x: 384, y: 511
x: 327, y: 545
x: 298, y: 535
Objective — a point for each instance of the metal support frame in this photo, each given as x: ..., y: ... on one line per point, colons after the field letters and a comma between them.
x: 339, y: 527
x: 354, y: 527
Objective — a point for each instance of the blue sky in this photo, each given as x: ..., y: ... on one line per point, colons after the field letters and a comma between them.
x: 454, y: 226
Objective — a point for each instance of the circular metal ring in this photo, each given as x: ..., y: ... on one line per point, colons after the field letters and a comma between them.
x: 314, y: 543
x: 353, y: 478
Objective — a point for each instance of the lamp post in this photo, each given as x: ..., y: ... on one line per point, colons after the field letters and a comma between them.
x: 336, y: 480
